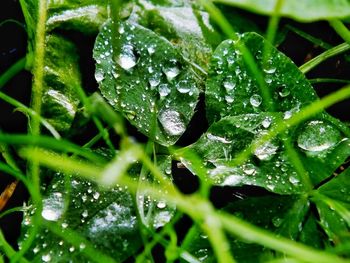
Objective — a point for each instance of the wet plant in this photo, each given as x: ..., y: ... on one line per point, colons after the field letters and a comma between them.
x: 125, y: 172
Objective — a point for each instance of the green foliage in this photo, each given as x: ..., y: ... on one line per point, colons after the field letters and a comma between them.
x: 155, y: 60
x: 305, y: 11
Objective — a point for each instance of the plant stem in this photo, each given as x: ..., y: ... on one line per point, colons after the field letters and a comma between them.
x: 324, y: 56
x: 12, y: 71
x: 341, y: 29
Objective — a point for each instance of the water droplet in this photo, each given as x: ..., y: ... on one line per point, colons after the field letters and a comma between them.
x: 46, y: 258
x: 99, y: 76
x: 293, y: 179
x: 71, y: 249
x: 172, y: 122
x: 249, y: 169
x: 283, y: 91
x: 229, y: 98
x: 164, y: 90
x: 127, y: 58
x: 171, y: 71
x: 82, y: 246
x: 229, y: 84
x: 318, y: 136
x: 161, y: 204
x: 53, y: 207
x: 85, y: 214
x: 266, y: 122
x: 270, y: 70
x: 255, y: 100
x: 266, y: 151
x: 96, y: 195
x: 277, y: 221
x: 64, y: 225
x: 183, y: 86
x: 151, y: 50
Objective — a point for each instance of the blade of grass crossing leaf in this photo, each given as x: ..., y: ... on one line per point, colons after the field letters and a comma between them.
x: 302, y: 115
x: 247, y: 56
x: 31, y: 113
x: 232, y: 224
x: 8, y: 250
x: 324, y: 56
x: 75, y: 239
x: 341, y: 29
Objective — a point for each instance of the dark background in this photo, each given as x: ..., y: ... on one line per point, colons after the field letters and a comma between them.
x: 13, y: 47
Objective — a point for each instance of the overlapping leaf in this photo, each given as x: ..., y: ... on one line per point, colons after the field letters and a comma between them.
x: 61, y: 79
x: 146, y: 79
x: 305, y: 11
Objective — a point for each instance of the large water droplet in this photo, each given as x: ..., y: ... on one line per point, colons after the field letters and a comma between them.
x: 127, y: 58
x: 172, y: 122
x: 183, y: 86
x: 318, y: 136
x: 283, y: 91
x: 53, y: 207
x: 267, y: 150
x: 99, y: 75
x: 171, y: 71
x: 229, y: 84
x: 46, y: 258
x: 255, y: 100
x: 161, y: 204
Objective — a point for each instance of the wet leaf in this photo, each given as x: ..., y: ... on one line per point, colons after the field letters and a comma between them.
x: 305, y: 11
x: 105, y: 218
x: 183, y: 24
x: 269, y: 212
x: 61, y: 79
x: 269, y: 165
x: 84, y: 16
x: 148, y: 81
x: 232, y: 89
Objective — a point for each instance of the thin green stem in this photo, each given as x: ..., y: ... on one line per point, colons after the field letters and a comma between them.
x: 328, y: 80
x: 12, y: 71
x: 8, y: 250
x: 324, y: 56
x: 341, y: 29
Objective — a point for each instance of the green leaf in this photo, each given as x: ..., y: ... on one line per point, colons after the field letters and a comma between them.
x: 269, y: 212
x: 148, y: 81
x: 318, y: 143
x: 232, y: 89
x: 334, y: 226
x: 269, y: 166
x: 61, y: 78
x: 155, y: 213
x: 304, y: 11
x: 84, y: 16
x: 105, y: 218
x: 183, y: 24
x: 338, y: 188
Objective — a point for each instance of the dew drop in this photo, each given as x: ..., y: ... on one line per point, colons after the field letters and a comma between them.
x: 229, y: 98
x: 229, y: 84
x: 161, y: 204
x: 171, y: 71
x: 46, y: 258
x: 127, y: 58
x: 172, y: 122
x: 53, y: 207
x: 164, y: 90
x: 96, y: 195
x: 270, y: 70
x: 293, y: 179
x: 255, y: 100
x: 318, y: 136
x: 266, y: 151
x: 266, y: 122
x: 249, y: 169
x: 283, y: 91
x: 99, y: 76
x: 183, y: 86
x: 85, y: 214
